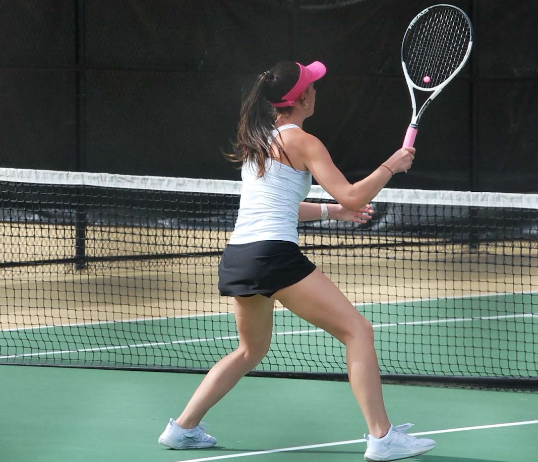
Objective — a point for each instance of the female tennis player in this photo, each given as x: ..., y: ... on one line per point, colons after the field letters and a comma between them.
x: 263, y: 262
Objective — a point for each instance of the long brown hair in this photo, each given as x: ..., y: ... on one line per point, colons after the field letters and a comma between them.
x: 257, y: 116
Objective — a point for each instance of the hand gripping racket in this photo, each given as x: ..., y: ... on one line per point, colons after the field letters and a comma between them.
x: 435, y: 47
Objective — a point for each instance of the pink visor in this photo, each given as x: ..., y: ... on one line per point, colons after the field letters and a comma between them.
x: 307, y: 75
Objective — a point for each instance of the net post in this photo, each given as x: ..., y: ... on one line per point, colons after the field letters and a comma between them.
x: 81, y: 225
x: 80, y: 82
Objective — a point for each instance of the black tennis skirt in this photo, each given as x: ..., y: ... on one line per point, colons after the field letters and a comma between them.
x: 261, y: 268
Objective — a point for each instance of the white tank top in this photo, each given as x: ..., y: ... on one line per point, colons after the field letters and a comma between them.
x: 269, y: 206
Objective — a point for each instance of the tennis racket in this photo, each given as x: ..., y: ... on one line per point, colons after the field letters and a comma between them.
x: 435, y: 47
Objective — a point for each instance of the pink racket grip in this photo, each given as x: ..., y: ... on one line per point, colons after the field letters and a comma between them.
x: 410, y: 136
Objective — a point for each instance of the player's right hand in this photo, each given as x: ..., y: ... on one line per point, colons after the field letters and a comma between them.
x: 401, y: 160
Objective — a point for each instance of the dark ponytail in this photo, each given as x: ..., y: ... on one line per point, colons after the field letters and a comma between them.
x: 257, y: 116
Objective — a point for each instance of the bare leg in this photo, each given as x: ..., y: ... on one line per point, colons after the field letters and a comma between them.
x: 254, y: 317
x: 317, y: 300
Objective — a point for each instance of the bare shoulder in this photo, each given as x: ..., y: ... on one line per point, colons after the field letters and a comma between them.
x: 301, y: 141
x: 300, y: 147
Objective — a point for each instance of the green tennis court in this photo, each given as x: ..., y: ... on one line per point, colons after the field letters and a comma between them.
x: 459, y: 325
x: 58, y: 414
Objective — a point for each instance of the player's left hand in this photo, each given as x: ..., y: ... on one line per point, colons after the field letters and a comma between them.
x: 363, y: 215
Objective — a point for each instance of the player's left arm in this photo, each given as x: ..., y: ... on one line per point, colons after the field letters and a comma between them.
x: 309, y: 211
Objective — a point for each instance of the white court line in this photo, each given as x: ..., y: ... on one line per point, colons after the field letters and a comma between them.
x: 362, y: 440
x: 235, y: 337
x: 230, y: 313
x: 126, y: 321
x: 120, y: 347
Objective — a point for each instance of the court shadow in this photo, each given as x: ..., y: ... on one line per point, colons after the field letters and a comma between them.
x: 433, y: 458
x: 423, y: 458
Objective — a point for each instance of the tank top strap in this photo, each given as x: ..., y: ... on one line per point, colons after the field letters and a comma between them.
x: 276, y: 131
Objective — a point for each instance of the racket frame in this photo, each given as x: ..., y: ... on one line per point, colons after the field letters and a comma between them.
x: 415, y: 119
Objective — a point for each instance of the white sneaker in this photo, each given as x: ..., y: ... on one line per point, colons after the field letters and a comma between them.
x: 396, y: 444
x: 176, y: 437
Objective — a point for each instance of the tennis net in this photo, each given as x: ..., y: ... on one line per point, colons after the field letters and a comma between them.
x: 119, y: 271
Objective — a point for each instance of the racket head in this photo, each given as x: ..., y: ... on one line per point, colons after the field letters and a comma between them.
x: 436, y: 45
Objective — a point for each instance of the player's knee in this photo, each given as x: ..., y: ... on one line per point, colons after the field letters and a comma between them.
x: 367, y: 328
x: 359, y: 328
x: 253, y: 354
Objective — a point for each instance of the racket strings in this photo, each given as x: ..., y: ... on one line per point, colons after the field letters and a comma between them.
x: 443, y: 58
x: 435, y: 46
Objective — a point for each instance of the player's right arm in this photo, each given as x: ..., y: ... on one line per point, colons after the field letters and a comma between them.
x: 352, y: 196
